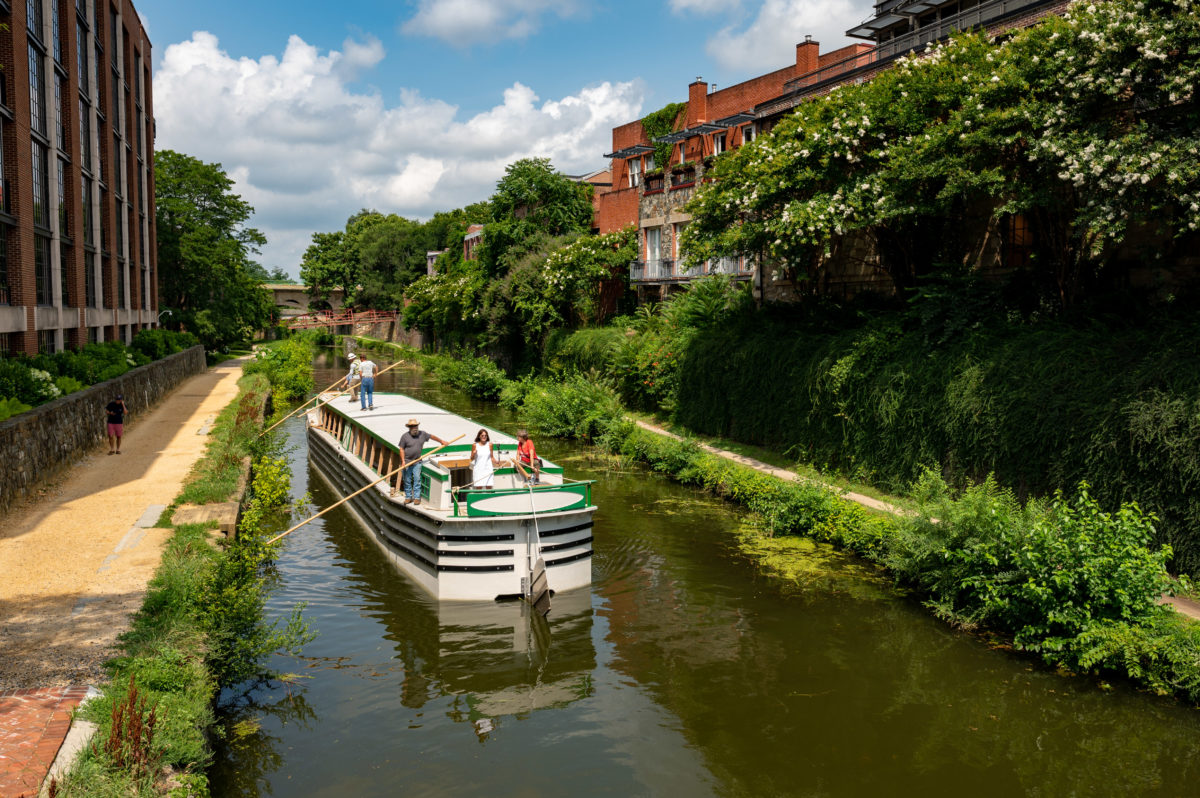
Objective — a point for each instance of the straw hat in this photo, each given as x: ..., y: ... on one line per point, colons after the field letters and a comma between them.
x: 412, y: 422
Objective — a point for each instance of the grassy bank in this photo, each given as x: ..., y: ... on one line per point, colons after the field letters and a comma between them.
x: 1063, y: 579
x: 201, y: 626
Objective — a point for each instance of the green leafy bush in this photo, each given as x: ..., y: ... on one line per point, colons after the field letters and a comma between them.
x: 287, y: 366
x: 12, y: 406
x: 474, y: 374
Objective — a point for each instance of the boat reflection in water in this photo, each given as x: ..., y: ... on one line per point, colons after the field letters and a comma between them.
x: 502, y: 660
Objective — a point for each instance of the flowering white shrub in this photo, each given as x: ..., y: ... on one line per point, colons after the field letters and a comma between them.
x: 1088, y: 120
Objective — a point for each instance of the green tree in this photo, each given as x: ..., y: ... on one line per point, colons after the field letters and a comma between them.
x: 206, y: 276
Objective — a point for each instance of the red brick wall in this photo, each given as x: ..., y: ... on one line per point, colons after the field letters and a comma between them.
x: 615, y: 209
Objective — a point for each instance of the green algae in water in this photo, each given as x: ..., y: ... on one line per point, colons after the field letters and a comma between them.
x: 807, y: 566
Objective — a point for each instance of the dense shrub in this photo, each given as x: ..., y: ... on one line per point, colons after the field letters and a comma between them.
x: 158, y: 343
x: 1042, y: 406
x: 288, y: 367
x: 474, y: 374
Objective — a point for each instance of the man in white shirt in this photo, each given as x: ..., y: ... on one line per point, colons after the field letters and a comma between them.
x: 366, y: 368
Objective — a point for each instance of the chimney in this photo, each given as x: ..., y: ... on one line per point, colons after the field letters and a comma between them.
x: 697, y: 110
x: 807, y: 56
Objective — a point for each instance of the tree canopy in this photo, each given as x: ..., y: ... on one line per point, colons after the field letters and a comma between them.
x: 206, y: 275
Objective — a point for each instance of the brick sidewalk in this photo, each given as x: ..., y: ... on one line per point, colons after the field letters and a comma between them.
x: 33, y: 725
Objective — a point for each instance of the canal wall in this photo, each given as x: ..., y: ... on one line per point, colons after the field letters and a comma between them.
x: 39, y: 443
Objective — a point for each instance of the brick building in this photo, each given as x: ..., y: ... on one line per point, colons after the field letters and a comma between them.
x: 651, y: 196
x: 77, y: 237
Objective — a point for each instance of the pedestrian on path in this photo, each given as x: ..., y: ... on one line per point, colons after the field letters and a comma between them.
x: 411, y: 445
x: 353, y: 378
x: 116, y: 411
x: 366, y: 393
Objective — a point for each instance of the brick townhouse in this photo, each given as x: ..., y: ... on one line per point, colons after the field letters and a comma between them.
x: 651, y: 196
x: 77, y: 237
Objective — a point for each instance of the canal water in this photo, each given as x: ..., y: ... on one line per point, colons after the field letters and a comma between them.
x: 682, y: 671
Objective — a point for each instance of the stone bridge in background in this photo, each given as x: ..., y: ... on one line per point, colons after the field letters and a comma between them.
x: 291, y: 299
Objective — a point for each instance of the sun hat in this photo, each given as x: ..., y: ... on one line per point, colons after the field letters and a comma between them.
x: 352, y: 356
x: 412, y: 422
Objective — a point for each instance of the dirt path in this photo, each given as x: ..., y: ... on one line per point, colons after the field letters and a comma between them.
x: 74, y: 564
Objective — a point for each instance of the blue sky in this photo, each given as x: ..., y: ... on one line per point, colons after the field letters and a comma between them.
x: 318, y: 109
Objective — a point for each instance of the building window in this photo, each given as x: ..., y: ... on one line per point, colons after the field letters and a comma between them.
x: 64, y: 262
x: 121, y: 303
x: 85, y: 135
x: 116, y: 103
x: 718, y: 143
x: 62, y: 198
x: 748, y: 134
x: 5, y: 344
x: 635, y: 172
x: 89, y: 230
x: 89, y: 280
x: 4, y: 296
x: 682, y: 152
x: 41, y: 270
x: 37, y: 92
x: 46, y: 345
x: 41, y: 189
x: 95, y: 335
x: 59, y: 134
x: 678, y: 228
x: 653, y: 244
x: 81, y: 50
x: 33, y: 17
x: 55, y: 34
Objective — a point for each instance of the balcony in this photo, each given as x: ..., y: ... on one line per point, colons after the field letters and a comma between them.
x: 674, y: 271
x: 654, y: 183
x: 683, y: 177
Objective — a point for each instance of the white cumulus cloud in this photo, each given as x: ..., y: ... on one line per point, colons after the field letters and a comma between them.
x: 466, y: 22
x: 702, y: 6
x: 768, y: 40
x: 307, y: 151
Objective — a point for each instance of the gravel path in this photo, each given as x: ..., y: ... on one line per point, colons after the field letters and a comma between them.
x: 74, y: 563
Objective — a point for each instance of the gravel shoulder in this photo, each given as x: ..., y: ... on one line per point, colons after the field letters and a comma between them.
x: 75, y: 561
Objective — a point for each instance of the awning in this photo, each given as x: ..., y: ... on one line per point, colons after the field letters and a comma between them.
x: 735, y: 120
x: 868, y: 29
x: 919, y: 7
x: 629, y: 152
x: 692, y: 132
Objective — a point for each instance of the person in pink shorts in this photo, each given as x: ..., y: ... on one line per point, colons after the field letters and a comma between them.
x: 116, y: 423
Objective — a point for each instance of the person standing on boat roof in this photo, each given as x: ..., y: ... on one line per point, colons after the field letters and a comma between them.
x: 353, y: 377
x: 483, y: 462
x: 366, y: 393
x: 411, y: 445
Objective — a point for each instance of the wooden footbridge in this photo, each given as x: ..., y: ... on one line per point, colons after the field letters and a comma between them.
x: 338, y: 318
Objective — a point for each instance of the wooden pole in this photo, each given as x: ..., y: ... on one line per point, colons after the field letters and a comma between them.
x: 318, y: 396
x: 391, y: 473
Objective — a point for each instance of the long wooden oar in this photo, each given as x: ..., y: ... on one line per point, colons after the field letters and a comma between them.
x: 320, y: 394
x: 301, y: 407
x: 361, y: 490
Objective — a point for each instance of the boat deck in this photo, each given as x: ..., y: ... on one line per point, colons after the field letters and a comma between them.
x: 387, y: 422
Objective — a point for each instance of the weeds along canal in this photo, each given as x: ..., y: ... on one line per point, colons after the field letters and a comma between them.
x: 682, y: 671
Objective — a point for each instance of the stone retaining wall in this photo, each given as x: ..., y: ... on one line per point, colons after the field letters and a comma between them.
x: 39, y: 443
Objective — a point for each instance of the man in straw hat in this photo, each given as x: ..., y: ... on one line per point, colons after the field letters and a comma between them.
x: 411, y: 445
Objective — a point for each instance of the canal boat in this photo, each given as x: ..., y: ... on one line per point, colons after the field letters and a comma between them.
x: 461, y: 543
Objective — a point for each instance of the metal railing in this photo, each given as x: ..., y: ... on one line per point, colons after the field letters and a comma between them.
x: 982, y: 14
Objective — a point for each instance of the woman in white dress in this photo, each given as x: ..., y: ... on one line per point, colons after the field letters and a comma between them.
x: 483, y: 462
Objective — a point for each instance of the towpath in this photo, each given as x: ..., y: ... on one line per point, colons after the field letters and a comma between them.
x: 75, y: 562
x: 1185, y: 606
